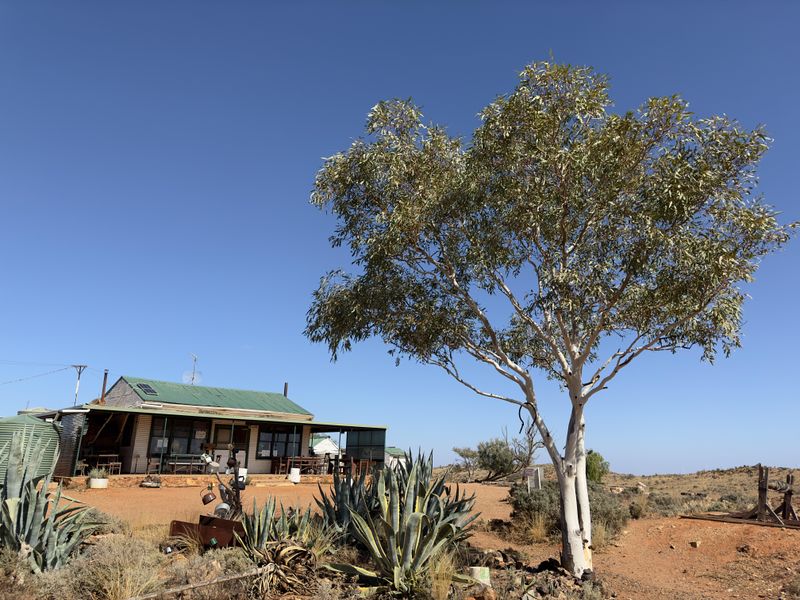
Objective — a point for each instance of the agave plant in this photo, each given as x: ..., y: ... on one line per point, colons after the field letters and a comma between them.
x: 346, y: 494
x: 273, y: 523
x: 456, y: 506
x: 32, y: 521
x: 410, y: 526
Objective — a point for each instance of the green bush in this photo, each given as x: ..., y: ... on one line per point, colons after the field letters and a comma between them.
x: 605, y: 506
x: 664, y: 504
x: 638, y: 508
x: 596, y: 466
x: 496, y: 457
x: 105, y: 522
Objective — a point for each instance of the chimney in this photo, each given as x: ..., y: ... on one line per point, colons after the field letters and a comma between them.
x: 286, y: 388
x: 105, y: 382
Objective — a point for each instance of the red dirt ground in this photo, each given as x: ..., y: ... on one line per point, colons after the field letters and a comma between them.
x: 652, y: 560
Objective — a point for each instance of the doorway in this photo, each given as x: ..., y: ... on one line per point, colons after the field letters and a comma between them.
x: 239, y: 436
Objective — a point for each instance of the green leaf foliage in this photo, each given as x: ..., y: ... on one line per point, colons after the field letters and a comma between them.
x: 596, y: 466
x: 588, y: 224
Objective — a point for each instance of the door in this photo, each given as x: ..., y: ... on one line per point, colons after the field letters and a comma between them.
x: 239, y: 436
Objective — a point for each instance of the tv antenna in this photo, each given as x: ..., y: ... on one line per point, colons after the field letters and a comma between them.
x: 194, y: 376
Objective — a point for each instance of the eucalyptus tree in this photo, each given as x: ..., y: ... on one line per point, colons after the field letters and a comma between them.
x: 564, y: 240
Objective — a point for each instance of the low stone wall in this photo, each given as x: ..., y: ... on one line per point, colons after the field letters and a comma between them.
x: 197, y: 480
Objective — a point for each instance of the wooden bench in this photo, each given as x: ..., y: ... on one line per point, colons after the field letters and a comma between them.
x: 185, y: 463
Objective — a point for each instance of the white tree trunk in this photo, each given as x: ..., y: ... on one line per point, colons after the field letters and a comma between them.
x: 573, y: 556
x: 576, y: 554
x: 582, y: 492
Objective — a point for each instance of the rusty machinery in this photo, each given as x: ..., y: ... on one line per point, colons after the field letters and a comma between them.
x: 219, y: 530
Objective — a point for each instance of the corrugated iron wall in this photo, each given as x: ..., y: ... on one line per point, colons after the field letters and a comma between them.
x: 71, y: 430
x: 37, y: 432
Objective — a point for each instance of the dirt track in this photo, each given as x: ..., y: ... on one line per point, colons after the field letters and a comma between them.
x: 641, y: 564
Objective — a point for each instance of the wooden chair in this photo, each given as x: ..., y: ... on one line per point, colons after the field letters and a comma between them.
x: 114, y: 466
x: 153, y: 464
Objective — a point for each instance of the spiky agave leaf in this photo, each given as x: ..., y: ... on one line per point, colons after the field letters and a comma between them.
x: 33, y: 521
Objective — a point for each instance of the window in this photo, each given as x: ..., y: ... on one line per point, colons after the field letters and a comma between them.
x: 177, y: 436
x: 366, y: 444
x: 276, y: 442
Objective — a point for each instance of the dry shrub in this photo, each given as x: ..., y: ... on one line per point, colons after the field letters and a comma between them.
x: 442, y: 569
x: 601, y: 536
x: 117, y: 567
x: 194, y: 569
x: 108, y: 523
x: 336, y: 590
x: 638, y: 507
x: 16, y: 575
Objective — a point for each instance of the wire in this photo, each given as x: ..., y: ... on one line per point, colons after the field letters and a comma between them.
x: 34, y: 376
x: 31, y: 364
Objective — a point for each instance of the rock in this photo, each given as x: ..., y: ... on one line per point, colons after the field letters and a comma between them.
x: 482, y: 592
x: 641, y: 486
x: 695, y: 543
x: 672, y: 546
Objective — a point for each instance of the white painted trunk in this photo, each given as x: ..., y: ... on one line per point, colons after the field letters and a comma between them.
x: 584, y: 510
x: 573, y: 555
x: 576, y: 553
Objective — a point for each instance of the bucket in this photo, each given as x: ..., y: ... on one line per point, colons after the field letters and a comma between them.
x: 294, y: 475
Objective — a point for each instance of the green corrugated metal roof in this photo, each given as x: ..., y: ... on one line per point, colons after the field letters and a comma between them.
x: 199, y: 395
x: 394, y: 451
x: 210, y: 414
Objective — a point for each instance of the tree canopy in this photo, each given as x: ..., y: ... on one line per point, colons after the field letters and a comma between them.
x: 590, y: 223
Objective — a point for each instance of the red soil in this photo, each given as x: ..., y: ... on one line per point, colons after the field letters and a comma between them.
x: 652, y: 560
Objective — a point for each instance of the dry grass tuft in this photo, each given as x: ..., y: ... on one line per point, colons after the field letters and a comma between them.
x: 118, y: 567
x: 601, y: 536
x: 442, y: 569
x: 538, y: 528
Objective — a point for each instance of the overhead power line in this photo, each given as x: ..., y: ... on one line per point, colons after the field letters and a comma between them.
x: 34, y: 376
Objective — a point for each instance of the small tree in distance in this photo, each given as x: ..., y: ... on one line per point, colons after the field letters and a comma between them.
x: 565, y: 240
x: 596, y: 466
x: 497, y: 458
x: 469, y: 460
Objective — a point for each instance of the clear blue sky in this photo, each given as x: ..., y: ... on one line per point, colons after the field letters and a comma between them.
x: 156, y: 161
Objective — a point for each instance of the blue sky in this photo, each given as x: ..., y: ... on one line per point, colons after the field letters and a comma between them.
x: 156, y: 161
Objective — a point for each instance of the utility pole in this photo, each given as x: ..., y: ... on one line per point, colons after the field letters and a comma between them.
x: 79, y: 369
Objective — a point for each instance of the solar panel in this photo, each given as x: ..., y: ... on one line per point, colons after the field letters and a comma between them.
x: 147, y: 389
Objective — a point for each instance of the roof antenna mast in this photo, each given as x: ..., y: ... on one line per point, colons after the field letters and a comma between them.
x: 194, y: 368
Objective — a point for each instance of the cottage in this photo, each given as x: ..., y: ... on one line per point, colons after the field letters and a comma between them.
x: 146, y: 426
x: 323, y: 445
x: 394, y: 456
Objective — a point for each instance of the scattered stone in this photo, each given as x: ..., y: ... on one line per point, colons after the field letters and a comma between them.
x: 672, y: 546
x: 641, y: 486
x: 695, y: 543
x: 744, y: 549
x: 481, y: 592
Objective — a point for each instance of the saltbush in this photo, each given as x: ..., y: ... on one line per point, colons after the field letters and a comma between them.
x: 545, y: 503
